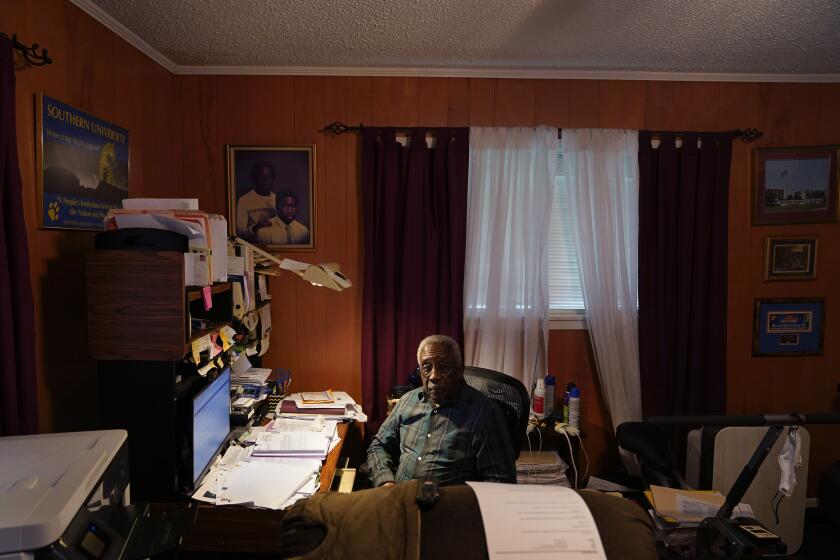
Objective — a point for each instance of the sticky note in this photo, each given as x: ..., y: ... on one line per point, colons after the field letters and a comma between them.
x: 226, y: 333
x: 199, y: 346
x: 208, y: 297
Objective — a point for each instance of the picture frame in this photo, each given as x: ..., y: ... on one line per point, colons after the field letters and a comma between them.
x: 81, y: 166
x: 790, y: 258
x: 795, y: 185
x: 788, y: 327
x: 271, y: 196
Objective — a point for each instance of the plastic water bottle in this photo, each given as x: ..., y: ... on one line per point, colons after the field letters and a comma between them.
x: 539, y: 399
x: 549, y: 394
x: 566, y: 397
x: 574, y: 407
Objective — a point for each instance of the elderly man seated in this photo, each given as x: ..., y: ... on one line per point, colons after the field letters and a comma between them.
x: 444, y: 430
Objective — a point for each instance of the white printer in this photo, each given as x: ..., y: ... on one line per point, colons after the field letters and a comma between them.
x: 67, y: 496
x: 62, y: 491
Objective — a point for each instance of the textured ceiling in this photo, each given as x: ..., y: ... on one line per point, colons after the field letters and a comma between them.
x: 704, y: 36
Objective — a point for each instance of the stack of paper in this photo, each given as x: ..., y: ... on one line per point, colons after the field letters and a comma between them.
x: 677, y: 513
x: 248, y: 385
x: 290, y: 450
x: 541, y: 467
x: 317, y: 397
x: 292, y: 447
x: 290, y: 427
x: 342, y: 407
x: 261, y: 484
x: 206, y: 261
x: 292, y: 444
x: 241, y: 371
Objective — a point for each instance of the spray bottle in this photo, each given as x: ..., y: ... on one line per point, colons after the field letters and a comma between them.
x: 549, y: 394
x: 539, y: 399
x: 574, y: 407
x: 566, y: 397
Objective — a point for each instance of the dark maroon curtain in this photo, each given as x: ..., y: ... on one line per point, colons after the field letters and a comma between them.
x: 17, y: 317
x: 415, y: 224
x: 683, y: 213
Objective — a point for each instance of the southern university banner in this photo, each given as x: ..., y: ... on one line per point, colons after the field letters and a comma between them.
x: 84, y: 166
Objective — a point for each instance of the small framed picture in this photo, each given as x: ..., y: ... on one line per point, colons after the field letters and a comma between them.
x: 794, y: 185
x: 790, y: 258
x: 788, y: 327
x: 271, y: 195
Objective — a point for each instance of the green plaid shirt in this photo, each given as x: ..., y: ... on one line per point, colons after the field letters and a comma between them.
x: 466, y: 439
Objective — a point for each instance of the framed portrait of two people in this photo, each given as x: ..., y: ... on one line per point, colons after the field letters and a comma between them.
x: 271, y: 195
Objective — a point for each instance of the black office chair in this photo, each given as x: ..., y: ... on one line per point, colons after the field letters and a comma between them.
x: 509, y: 394
x: 650, y: 444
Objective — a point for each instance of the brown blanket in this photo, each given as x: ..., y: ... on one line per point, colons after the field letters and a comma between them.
x: 385, y: 523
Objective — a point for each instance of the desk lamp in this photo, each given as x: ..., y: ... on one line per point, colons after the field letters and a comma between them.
x: 325, y: 274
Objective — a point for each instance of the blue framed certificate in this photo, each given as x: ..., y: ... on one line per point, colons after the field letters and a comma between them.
x: 788, y: 327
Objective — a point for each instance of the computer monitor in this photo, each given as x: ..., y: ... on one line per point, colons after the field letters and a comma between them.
x: 210, y: 422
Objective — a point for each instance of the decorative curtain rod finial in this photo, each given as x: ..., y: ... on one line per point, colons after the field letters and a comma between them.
x: 338, y: 128
x: 31, y: 53
x: 747, y: 134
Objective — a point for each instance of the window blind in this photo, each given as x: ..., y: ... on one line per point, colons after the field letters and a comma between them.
x: 565, y: 292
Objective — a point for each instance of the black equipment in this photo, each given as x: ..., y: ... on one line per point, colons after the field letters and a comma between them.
x: 742, y: 538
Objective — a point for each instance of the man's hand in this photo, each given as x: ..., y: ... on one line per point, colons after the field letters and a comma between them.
x: 387, y: 484
x: 261, y: 224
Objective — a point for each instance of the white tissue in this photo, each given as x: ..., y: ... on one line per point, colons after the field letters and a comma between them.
x: 790, y: 459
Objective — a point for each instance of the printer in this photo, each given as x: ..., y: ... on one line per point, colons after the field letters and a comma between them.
x: 67, y: 496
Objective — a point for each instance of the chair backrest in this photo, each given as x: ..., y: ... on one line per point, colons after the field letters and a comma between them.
x: 509, y: 394
x: 650, y: 444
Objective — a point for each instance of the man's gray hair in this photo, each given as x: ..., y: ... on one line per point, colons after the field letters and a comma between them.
x: 441, y: 340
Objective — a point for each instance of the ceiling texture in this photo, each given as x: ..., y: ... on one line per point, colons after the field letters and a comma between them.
x: 695, y: 39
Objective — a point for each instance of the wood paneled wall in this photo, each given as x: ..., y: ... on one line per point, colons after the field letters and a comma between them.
x: 317, y: 334
x: 180, y: 124
x: 97, y: 72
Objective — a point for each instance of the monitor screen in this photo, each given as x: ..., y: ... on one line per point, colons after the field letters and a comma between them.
x: 211, y: 421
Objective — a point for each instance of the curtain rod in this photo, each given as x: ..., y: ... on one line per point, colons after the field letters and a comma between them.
x: 30, y: 54
x: 338, y: 128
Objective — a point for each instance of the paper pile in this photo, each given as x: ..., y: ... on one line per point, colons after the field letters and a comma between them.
x: 677, y: 513
x: 248, y: 387
x: 341, y: 407
x: 279, y: 469
x: 260, y: 484
x: 541, y: 467
x: 206, y: 261
x: 303, y: 445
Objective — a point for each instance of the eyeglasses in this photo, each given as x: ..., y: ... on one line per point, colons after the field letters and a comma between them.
x: 444, y: 369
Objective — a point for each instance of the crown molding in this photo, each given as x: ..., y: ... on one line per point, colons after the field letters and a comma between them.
x: 133, y: 39
x: 103, y: 17
x: 511, y: 73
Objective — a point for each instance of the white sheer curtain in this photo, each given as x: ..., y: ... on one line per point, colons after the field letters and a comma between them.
x: 511, y: 185
x: 601, y: 168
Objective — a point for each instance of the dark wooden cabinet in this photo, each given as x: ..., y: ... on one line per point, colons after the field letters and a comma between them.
x: 138, y: 308
x: 136, y: 305
x: 139, y: 329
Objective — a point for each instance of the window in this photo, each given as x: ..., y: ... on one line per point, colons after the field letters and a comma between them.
x: 565, y: 292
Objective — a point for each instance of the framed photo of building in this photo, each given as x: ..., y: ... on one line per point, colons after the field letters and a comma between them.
x: 271, y: 195
x: 795, y: 185
x: 790, y: 258
x: 81, y: 166
x: 788, y: 327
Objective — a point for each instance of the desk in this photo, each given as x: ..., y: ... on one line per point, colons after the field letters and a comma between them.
x: 239, y: 530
